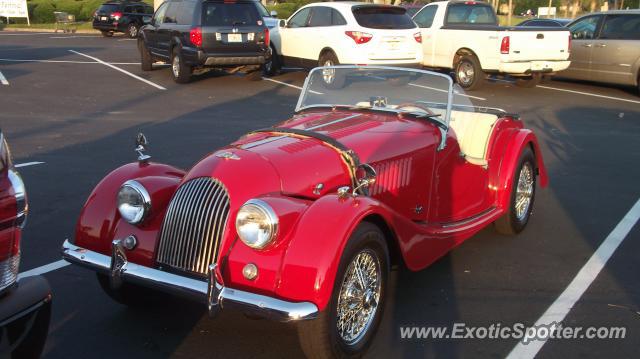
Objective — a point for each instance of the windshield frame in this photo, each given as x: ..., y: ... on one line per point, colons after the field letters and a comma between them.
x: 450, y: 93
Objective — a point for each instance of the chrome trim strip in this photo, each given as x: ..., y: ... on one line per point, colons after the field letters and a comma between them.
x: 198, y: 290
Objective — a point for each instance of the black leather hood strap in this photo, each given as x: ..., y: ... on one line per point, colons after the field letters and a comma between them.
x: 348, y: 155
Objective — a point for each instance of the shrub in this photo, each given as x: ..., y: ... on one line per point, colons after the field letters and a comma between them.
x: 43, y: 12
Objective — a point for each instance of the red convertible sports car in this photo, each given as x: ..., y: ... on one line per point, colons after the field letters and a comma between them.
x: 302, y: 221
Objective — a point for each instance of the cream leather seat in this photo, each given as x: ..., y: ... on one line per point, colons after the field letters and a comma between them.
x: 473, y: 131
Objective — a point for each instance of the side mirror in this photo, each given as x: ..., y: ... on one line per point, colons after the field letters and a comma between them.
x: 274, y: 13
x: 282, y: 23
x: 366, y: 176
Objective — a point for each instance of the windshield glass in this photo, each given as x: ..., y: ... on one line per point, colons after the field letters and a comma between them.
x: 231, y: 14
x: 408, y: 91
x: 382, y: 17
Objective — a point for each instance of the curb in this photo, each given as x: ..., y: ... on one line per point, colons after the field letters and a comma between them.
x: 27, y: 29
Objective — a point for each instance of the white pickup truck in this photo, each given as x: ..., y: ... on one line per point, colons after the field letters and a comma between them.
x: 465, y: 36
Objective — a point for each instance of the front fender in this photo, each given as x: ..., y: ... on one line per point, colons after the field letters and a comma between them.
x: 311, y: 261
x: 508, y: 167
x: 99, y: 222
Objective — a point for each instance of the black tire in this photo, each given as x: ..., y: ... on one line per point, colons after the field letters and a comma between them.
x: 128, y: 294
x: 468, y: 73
x: 510, y: 223
x: 530, y: 81
x: 180, y: 71
x: 146, y: 61
x: 32, y: 345
x: 319, y: 338
x: 337, y: 80
x: 106, y: 33
x: 132, y: 30
x: 272, y: 67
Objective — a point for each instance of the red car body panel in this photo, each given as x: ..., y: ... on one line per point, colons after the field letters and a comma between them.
x: 428, y: 201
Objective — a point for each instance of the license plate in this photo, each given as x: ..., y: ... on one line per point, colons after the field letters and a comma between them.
x: 234, y: 37
x: 104, y: 18
x: 393, y: 46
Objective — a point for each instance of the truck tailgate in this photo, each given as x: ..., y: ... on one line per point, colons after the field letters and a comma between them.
x: 537, y: 44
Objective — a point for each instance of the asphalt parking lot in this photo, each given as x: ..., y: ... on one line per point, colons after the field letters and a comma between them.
x: 71, y: 117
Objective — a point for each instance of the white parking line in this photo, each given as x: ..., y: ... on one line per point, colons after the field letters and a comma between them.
x: 589, y: 94
x: 561, y: 307
x: 71, y: 37
x: 121, y: 70
x: 441, y: 90
x: 28, y: 164
x: 290, y: 85
x: 3, y: 80
x: 69, y: 62
x: 44, y: 269
x: 128, y: 40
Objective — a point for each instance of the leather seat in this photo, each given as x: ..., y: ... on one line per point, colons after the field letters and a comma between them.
x: 473, y: 131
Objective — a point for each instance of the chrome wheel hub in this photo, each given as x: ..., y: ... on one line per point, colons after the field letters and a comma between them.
x: 133, y: 31
x: 465, y: 73
x: 524, y: 191
x: 359, y: 297
x: 328, y: 75
x: 175, y: 66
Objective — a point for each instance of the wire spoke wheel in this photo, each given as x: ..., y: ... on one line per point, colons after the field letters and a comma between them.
x: 359, y: 296
x: 524, y: 192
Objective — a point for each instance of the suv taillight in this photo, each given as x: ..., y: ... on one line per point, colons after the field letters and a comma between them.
x: 359, y: 37
x: 116, y: 15
x: 195, y: 35
x: 418, y: 37
x: 266, y: 36
x: 504, y: 45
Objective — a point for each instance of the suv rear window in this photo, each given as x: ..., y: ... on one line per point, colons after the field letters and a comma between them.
x: 230, y: 14
x: 108, y: 8
x: 382, y: 17
x: 462, y: 13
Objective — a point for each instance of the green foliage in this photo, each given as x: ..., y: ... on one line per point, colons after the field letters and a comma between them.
x: 41, y: 11
x: 286, y: 9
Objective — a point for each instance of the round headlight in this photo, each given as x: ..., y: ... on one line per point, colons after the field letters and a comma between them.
x: 256, y: 224
x: 134, y: 202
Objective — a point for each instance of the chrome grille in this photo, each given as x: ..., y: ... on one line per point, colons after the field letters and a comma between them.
x: 193, y: 226
x: 9, y: 271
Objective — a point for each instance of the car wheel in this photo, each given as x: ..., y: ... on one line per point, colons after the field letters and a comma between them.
x: 272, y: 66
x: 132, y: 30
x: 332, y: 79
x: 347, y: 325
x: 530, y: 81
x: 107, y: 33
x: 522, y: 196
x: 468, y: 73
x: 145, y: 56
x: 180, y: 71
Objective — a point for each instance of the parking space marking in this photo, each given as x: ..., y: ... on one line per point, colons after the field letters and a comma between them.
x: 26, y: 164
x: 71, y: 37
x: 44, y: 269
x: 69, y: 62
x: 561, y: 307
x: 121, y: 70
x: 128, y: 40
x: 588, y: 94
x: 290, y: 85
x: 3, y: 80
x: 441, y: 90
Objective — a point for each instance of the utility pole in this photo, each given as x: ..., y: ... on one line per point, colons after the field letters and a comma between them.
x: 510, y: 11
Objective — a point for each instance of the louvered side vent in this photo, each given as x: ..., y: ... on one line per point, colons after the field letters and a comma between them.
x: 391, y: 176
x: 194, y: 225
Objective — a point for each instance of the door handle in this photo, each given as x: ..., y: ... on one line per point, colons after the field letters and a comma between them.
x: 587, y: 45
x: 601, y: 45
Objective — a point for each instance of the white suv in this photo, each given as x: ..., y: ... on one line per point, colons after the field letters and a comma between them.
x: 332, y: 33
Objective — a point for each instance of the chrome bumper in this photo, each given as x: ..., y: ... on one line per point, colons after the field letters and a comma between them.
x: 211, y: 292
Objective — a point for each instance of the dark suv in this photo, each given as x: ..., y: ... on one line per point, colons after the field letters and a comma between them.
x: 196, y: 35
x: 121, y: 16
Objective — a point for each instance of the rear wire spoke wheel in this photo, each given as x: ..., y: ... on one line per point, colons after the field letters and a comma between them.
x: 345, y: 328
x: 522, y: 196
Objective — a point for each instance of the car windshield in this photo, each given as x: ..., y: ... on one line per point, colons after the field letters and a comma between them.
x: 419, y: 93
x: 382, y: 17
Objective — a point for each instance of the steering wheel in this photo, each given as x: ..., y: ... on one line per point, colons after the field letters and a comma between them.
x: 415, y: 105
